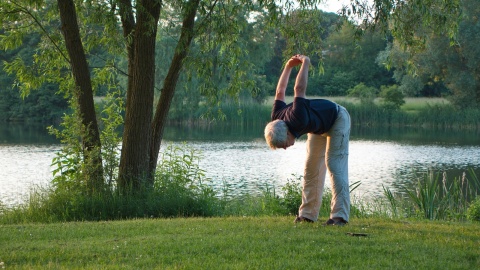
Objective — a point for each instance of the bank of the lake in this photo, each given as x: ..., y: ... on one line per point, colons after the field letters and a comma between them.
x: 235, y: 161
x: 241, y: 243
x: 241, y: 160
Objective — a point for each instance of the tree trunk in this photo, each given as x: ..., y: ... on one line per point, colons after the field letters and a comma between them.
x: 128, y: 25
x: 170, y: 83
x: 84, y: 96
x: 134, y: 160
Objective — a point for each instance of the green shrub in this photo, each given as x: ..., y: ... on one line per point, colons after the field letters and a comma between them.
x: 473, y: 211
x: 292, y: 195
x: 392, y: 97
x: 364, y: 93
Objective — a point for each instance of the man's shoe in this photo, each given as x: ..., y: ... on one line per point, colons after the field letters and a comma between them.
x: 302, y: 219
x: 331, y: 222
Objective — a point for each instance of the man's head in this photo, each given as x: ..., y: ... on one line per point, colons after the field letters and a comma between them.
x: 277, y: 135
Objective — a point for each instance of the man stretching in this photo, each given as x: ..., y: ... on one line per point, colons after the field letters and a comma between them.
x: 328, y: 127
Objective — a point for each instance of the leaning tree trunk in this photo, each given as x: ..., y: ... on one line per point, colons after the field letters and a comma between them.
x: 170, y: 84
x: 134, y: 160
x: 84, y: 96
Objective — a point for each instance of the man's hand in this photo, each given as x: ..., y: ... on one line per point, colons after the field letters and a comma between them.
x: 301, y: 82
x: 300, y: 87
x: 297, y: 59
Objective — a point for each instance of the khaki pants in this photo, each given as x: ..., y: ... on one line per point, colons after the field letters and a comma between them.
x: 328, y: 151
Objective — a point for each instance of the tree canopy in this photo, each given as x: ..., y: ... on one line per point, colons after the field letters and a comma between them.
x: 453, y: 64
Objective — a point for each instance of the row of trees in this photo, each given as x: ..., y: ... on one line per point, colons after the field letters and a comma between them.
x: 375, y: 60
x: 202, y: 40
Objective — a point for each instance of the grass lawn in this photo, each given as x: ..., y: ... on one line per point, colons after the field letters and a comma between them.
x: 240, y: 243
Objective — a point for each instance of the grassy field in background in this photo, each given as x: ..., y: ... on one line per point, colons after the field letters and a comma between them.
x: 414, y: 104
x: 411, y: 103
x: 241, y: 243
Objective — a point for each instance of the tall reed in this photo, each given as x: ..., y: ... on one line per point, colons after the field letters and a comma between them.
x: 443, y: 116
x: 440, y: 199
x: 438, y: 115
x: 247, y: 113
x: 447, y: 116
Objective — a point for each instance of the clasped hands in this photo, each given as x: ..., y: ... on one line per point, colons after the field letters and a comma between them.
x: 297, y: 59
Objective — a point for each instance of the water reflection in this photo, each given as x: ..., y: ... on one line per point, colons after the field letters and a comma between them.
x: 407, y: 135
x: 23, y: 167
x: 22, y: 133
x: 417, y: 136
x: 240, y: 159
x: 252, y: 166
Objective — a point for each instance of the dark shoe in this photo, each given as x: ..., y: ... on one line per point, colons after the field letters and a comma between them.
x: 302, y: 219
x: 340, y: 223
x: 331, y: 222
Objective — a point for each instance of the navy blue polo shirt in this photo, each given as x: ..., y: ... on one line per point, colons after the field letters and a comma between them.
x: 306, y: 115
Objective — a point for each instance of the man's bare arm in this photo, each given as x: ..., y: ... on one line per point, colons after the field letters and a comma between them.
x: 301, y: 81
x: 302, y: 77
x: 282, y: 83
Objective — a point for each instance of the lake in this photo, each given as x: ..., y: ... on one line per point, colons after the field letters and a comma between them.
x: 240, y: 159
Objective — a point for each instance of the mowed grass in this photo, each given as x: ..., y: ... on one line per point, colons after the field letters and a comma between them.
x: 241, y: 243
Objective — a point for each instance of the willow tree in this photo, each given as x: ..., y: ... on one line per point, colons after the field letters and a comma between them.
x: 128, y: 29
x: 453, y: 65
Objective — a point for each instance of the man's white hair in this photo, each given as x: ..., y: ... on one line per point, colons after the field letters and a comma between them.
x: 276, y: 133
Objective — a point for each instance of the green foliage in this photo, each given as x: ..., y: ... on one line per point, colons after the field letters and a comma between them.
x: 68, y: 162
x: 339, y: 84
x: 405, y: 19
x: 178, y: 196
x: 392, y: 97
x: 389, y: 195
x: 182, y: 183
x: 364, y: 93
x: 181, y: 189
x: 314, y: 24
x: 292, y: 195
x: 17, y: 103
x: 345, y: 58
x: 225, y: 60
x: 111, y: 123
x: 346, y: 61
x: 425, y: 196
x: 473, y: 212
x: 270, y: 203
x: 442, y: 63
x: 43, y: 105
x: 443, y: 199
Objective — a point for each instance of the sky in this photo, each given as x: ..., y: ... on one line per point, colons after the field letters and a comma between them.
x: 333, y: 5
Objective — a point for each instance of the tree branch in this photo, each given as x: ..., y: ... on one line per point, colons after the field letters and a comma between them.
x: 25, y: 10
